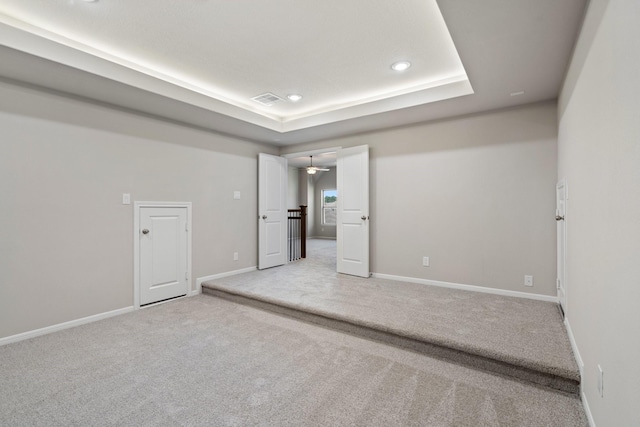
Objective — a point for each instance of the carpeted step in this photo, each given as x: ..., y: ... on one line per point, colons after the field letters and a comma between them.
x: 559, y: 376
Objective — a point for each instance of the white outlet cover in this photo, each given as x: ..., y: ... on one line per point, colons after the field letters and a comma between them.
x: 126, y: 198
x: 236, y: 195
x: 528, y: 280
x: 425, y: 261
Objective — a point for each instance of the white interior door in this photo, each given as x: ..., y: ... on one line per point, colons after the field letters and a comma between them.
x: 561, y: 224
x: 352, y: 229
x: 163, y: 253
x: 272, y: 211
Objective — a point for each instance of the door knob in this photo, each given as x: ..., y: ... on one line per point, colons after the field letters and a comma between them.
x: 559, y: 218
x: 145, y: 231
x: 264, y: 217
x: 363, y: 217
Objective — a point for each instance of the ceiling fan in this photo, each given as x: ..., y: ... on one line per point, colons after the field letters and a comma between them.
x: 311, y: 170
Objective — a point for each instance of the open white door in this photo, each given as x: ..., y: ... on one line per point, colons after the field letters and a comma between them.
x: 561, y: 210
x: 352, y: 230
x: 272, y: 211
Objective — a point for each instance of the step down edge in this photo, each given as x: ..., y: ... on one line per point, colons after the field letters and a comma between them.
x: 451, y: 355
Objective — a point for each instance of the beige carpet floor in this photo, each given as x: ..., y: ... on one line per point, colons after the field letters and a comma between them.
x: 203, y: 361
x: 520, y: 332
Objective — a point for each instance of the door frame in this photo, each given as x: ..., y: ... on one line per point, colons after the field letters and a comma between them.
x: 137, y: 206
x: 308, y: 153
x: 336, y: 149
x: 561, y: 242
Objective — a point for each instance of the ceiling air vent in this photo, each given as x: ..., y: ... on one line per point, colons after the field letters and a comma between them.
x: 267, y: 99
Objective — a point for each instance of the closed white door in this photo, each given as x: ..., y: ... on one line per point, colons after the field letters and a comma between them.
x: 163, y: 253
x: 352, y: 229
x: 561, y: 227
x: 272, y: 211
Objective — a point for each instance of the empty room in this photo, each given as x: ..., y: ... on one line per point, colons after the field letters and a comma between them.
x: 380, y: 213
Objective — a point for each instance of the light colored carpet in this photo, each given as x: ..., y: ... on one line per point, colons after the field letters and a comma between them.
x: 525, y: 336
x: 203, y: 361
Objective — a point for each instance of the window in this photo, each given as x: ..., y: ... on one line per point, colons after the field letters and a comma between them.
x: 329, y: 206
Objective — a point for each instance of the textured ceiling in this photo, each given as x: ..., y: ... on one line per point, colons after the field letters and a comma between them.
x: 199, y: 62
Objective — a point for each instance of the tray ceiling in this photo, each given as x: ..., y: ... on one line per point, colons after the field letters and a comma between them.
x: 206, y: 60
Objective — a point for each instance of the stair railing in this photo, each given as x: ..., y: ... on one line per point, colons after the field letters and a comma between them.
x: 297, y: 233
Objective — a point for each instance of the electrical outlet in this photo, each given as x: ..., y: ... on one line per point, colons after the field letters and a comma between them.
x: 235, y: 256
x: 528, y: 280
x: 425, y: 261
x: 236, y: 195
x: 600, y: 381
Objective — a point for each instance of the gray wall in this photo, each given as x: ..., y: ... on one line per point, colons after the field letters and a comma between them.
x: 323, y: 181
x: 476, y: 194
x: 310, y: 185
x: 293, y: 189
x: 599, y: 155
x: 66, y: 241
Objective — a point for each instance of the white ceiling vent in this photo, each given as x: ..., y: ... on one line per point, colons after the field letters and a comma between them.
x: 267, y: 99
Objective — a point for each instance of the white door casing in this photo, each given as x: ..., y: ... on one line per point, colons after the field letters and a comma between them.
x: 162, y: 243
x: 272, y: 211
x: 561, y: 227
x: 352, y: 229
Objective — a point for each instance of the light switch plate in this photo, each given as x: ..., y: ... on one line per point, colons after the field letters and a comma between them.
x: 126, y: 198
x: 236, y: 195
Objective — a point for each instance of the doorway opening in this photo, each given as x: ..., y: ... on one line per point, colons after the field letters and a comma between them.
x: 349, y: 189
x: 352, y: 218
x: 317, y: 192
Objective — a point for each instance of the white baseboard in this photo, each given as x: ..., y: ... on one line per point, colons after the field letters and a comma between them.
x: 65, y: 325
x: 463, y: 287
x: 574, y: 346
x: 199, y: 280
x: 321, y: 237
x: 587, y: 410
x: 576, y: 353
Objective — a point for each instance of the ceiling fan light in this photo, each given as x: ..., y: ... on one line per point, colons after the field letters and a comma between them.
x: 311, y: 170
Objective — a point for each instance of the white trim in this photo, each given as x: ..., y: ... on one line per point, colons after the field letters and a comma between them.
x: 321, y: 237
x: 136, y: 242
x: 587, y: 410
x: 576, y: 353
x: 562, y: 258
x: 463, y: 287
x: 574, y: 346
x: 65, y: 325
x: 199, y: 280
x: 311, y: 152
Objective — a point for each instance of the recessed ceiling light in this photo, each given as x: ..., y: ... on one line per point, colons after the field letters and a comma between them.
x: 518, y: 93
x: 400, y: 65
x: 294, y: 97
